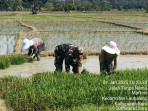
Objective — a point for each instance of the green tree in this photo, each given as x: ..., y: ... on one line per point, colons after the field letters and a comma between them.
x: 69, y: 7
x: 105, y: 6
x: 36, y: 5
x: 95, y: 5
x: 58, y: 6
x: 49, y: 6
x: 120, y: 8
x: 145, y: 6
x: 87, y: 5
x: 6, y: 4
x: 17, y: 5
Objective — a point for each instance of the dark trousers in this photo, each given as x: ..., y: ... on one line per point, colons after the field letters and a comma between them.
x: 108, y: 67
x: 58, y: 62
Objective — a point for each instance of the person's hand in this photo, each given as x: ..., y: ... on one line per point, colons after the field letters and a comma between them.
x: 80, y: 61
x: 79, y: 69
x: 33, y: 55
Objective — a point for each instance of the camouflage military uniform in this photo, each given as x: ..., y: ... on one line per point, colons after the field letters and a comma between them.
x: 66, y: 51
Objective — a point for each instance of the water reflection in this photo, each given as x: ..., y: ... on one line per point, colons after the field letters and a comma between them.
x: 7, y: 44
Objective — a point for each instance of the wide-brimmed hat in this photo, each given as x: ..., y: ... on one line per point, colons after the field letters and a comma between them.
x: 26, y: 44
x: 111, y: 48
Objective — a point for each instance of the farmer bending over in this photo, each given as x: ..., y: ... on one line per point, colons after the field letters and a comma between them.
x: 73, y: 56
x: 109, y: 54
x: 35, y: 46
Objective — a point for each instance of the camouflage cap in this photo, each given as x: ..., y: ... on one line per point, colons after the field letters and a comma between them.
x: 80, y: 50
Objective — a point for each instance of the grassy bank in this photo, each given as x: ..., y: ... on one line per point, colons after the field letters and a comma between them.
x: 60, y: 91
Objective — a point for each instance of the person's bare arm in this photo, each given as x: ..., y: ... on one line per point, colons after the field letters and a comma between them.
x: 101, y: 59
x: 79, y: 69
x: 115, y: 62
x: 80, y: 64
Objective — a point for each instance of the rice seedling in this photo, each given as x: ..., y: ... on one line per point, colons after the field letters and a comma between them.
x: 94, y: 41
x: 30, y: 59
x: 84, y: 56
x: 76, y: 26
x: 7, y: 27
x: 17, y: 59
x: 60, y: 91
x: 4, y: 62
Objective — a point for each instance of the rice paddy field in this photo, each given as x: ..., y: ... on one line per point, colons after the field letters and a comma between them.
x: 129, y: 41
x: 90, y: 30
x: 54, y: 91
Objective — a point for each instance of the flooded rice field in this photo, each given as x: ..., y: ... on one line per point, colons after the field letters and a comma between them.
x: 46, y: 64
x: 7, y: 44
x: 93, y: 41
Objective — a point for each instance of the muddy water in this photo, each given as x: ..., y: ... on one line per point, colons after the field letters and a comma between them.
x: 125, y: 62
x: 91, y: 64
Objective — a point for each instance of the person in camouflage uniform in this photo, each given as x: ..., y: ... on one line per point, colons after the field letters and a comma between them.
x: 73, y: 56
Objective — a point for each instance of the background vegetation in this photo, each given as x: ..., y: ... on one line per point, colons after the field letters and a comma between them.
x: 71, y: 5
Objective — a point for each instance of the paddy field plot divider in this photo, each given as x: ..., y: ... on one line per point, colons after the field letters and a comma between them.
x: 138, y: 30
x: 21, y: 36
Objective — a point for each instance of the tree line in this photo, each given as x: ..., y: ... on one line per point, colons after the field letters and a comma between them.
x: 71, y: 5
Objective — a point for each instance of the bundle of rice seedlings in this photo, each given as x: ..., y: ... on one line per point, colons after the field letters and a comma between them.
x: 4, y: 62
x: 17, y: 59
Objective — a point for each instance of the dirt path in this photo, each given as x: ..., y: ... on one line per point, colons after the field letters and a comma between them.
x: 2, y: 105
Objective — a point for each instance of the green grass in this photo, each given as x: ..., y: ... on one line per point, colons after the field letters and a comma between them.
x: 60, y: 91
